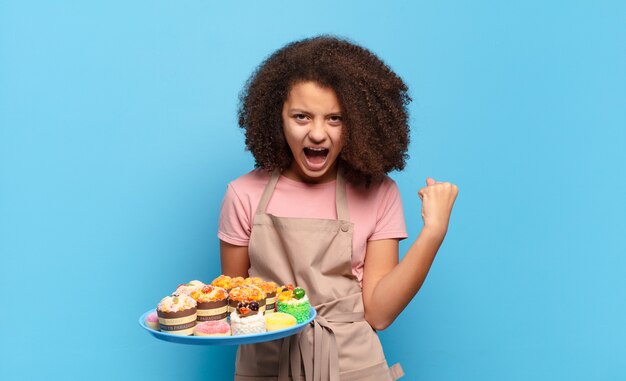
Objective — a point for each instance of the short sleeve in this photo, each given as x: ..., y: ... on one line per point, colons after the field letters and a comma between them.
x: 234, y: 225
x: 389, y: 216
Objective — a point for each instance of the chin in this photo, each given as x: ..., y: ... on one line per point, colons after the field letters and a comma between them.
x: 307, y: 175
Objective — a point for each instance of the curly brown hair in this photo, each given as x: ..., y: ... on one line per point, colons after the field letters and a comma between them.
x: 373, y: 99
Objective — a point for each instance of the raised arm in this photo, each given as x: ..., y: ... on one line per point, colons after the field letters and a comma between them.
x: 389, y: 286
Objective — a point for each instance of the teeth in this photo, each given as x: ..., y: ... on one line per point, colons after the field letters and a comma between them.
x: 316, y: 149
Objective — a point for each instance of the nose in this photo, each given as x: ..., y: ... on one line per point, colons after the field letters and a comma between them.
x: 317, y: 132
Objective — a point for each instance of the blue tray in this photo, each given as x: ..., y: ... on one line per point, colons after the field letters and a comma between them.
x: 226, y: 340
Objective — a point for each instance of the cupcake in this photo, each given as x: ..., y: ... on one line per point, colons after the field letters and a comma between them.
x: 188, y: 288
x: 212, y: 328
x: 212, y: 303
x: 196, y: 283
x: 244, y: 321
x: 246, y: 294
x: 293, y: 301
x: 152, y: 321
x: 223, y: 281
x: 237, y: 282
x: 269, y: 288
x: 177, y: 314
x: 278, y: 321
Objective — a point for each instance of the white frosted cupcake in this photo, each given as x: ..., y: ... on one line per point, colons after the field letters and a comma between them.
x: 248, y: 325
x: 177, y: 314
x: 188, y: 288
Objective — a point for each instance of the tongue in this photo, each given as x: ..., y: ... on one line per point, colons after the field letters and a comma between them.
x: 316, y: 157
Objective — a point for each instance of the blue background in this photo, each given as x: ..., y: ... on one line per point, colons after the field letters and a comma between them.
x: 118, y: 136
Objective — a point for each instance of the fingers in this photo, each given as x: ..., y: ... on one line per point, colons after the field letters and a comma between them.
x: 438, y: 187
x: 421, y: 193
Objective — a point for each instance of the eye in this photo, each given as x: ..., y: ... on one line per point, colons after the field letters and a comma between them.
x: 300, y: 117
x: 335, y: 119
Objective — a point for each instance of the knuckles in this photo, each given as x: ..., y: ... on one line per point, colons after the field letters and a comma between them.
x: 441, y: 187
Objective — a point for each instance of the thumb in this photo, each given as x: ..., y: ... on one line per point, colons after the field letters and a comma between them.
x: 430, y: 181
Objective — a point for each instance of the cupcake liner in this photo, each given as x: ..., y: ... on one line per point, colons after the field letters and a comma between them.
x: 178, y: 323
x: 270, y: 304
x: 208, y: 311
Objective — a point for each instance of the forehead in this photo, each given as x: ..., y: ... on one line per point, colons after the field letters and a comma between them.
x: 309, y: 94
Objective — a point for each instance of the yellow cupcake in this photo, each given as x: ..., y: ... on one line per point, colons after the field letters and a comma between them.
x: 278, y: 321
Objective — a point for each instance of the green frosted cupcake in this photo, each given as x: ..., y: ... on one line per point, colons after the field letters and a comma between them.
x: 293, y: 301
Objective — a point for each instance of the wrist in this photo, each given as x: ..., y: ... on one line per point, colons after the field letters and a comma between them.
x: 435, y: 233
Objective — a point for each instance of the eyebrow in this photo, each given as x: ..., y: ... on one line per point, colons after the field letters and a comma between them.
x: 292, y: 110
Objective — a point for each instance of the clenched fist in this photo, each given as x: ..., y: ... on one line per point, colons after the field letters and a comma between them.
x: 437, y: 201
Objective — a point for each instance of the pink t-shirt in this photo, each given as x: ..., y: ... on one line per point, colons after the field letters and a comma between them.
x: 375, y: 211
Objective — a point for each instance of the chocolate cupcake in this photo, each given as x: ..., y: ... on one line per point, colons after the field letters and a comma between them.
x: 177, y: 315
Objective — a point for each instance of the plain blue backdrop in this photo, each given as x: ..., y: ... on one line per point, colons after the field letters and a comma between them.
x: 118, y: 136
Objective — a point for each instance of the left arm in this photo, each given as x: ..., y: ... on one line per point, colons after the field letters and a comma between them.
x: 384, y: 276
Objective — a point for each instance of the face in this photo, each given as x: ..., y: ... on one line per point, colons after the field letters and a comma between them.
x: 312, y: 125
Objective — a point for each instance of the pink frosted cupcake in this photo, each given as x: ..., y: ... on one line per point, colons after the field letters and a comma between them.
x: 152, y: 321
x: 212, y: 328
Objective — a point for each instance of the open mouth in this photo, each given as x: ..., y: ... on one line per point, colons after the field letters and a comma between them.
x: 316, y: 156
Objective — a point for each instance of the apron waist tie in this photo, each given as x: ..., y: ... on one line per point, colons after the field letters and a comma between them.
x: 323, y: 363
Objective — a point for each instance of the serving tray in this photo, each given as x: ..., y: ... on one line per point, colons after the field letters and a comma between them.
x: 226, y: 340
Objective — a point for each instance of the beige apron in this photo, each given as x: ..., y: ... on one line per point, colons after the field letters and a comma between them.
x: 315, y: 254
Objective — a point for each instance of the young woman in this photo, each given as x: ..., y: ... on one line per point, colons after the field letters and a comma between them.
x: 326, y: 120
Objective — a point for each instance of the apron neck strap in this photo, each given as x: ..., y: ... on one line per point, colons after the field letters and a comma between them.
x: 341, y: 201
x: 267, y: 193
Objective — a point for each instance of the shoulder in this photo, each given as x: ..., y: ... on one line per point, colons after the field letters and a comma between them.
x: 250, y: 182
x: 244, y: 193
x: 383, y: 187
x: 238, y: 206
x: 385, y: 183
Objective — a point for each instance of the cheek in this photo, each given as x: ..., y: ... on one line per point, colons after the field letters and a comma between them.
x: 340, y: 139
x: 291, y: 139
x: 294, y: 133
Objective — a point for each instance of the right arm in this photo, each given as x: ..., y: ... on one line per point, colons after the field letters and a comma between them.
x: 234, y: 233
x: 234, y: 259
